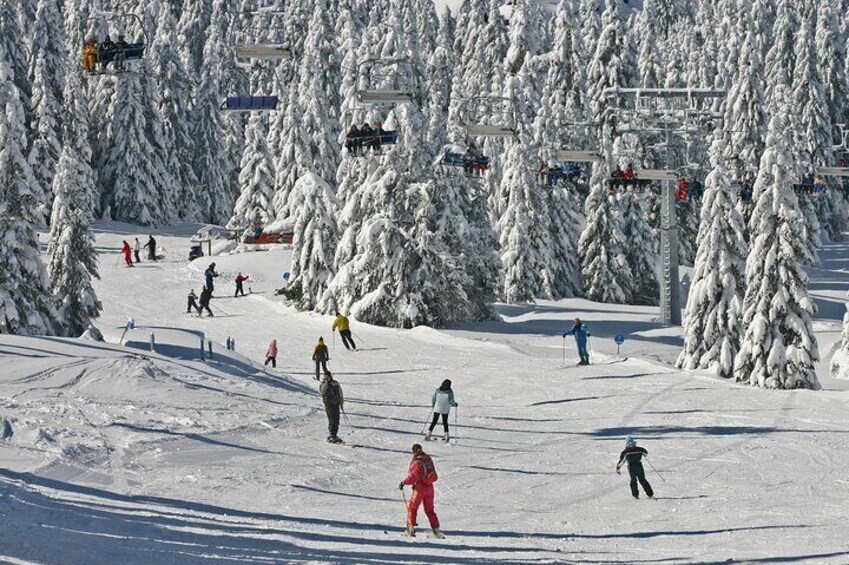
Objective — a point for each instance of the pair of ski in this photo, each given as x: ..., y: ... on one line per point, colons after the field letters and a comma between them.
x: 444, y: 440
x: 434, y: 534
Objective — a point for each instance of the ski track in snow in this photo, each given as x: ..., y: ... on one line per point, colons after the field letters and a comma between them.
x: 121, y: 455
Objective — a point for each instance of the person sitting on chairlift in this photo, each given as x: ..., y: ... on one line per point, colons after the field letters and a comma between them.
x: 542, y: 173
x: 105, y: 51
x: 681, y: 193
x: 378, y: 139
x: 469, y: 161
x: 630, y: 175
x: 367, y: 136
x: 121, y: 54
x: 90, y: 55
x: 353, y: 140
x: 819, y: 184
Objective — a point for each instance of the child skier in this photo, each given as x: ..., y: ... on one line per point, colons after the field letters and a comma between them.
x: 271, y: 354
x: 137, y: 250
x: 441, y: 401
x: 192, y: 302
x: 321, y: 355
x: 421, y: 476
x: 240, y: 280
x: 334, y: 401
x: 633, y: 455
x: 581, y: 333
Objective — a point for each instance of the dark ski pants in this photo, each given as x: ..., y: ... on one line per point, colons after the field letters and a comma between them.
x: 332, y: 418
x: 436, y: 416
x: 320, y: 365
x: 272, y: 360
x: 239, y: 288
x: 152, y: 254
x: 639, y: 474
x: 192, y: 304
x: 136, y: 253
x: 347, y: 340
x: 204, y: 307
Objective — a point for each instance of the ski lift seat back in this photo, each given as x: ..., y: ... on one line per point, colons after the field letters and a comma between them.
x: 250, y: 103
x: 451, y: 159
x: 133, y: 51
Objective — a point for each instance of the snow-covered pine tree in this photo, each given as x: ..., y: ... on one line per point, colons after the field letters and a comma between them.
x: 315, y: 237
x: 13, y: 39
x: 440, y: 70
x: 744, y: 114
x: 174, y: 87
x: 319, y: 96
x: 781, y: 58
x: 46, y: 75
x: 712, y: 325
x: 641, y: 247
x: 26, y: 303
x: 215, y: 198
x: 831, y: 56
x: 254, y: 208
x: 191, y: 35
x: 815, y: 139
x: 524, y: 224
x: 73, y: 260
x: 607, y: 275
x: 132, y: 167
x: 649, y: 56
x: 778, y: 348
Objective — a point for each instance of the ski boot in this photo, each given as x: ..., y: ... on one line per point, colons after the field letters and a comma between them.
x: 410, y: 532
x: 436, y: 533
x: 427, y: 437
x: 445, y: 439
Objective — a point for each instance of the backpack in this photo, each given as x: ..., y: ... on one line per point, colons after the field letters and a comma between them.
x: 429, y: 475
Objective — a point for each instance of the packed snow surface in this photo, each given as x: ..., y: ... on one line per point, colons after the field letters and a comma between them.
x: 122, y: 455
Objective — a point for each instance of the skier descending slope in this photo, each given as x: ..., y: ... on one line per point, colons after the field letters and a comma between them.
x: 421, y: 476
x: 441, y: 401
x: 581, y: 333
x: 633, y: 455
x: 331, y: 394
x: 321, y: 355
x: 344, y: 326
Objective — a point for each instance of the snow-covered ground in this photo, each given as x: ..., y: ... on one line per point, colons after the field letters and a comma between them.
x: 120, y: 455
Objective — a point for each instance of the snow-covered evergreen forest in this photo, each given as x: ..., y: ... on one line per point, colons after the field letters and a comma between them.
x: 393, y: 236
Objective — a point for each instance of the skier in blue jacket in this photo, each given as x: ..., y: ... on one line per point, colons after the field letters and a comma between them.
x: 581, y: 333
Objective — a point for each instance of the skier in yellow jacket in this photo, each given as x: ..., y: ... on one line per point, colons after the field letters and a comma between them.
x: 344, y: 326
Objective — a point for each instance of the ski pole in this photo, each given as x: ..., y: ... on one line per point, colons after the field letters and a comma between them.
x: 348, y: 422
x: 404, y: 497
x: 655, y: 470
x: 564, y: 350
x: 219, y: 309
x: 427, y: 420
x: 456, y: 434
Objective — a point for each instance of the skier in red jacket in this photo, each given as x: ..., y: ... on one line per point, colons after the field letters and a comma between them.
x: 240, y: 280
x: 421, y: 476
x: 127, y: 251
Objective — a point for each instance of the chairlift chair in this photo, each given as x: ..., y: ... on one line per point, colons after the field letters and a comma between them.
x: 132, y: 52
x: 249, y: 104
x: 476, y: 129
x: 246, y: 51
x: 385, y: 95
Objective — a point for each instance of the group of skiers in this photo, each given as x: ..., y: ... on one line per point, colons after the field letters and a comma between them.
x: 193, y: 303
x: 97, y: 56
x: 812, y: 185
x: 692, y: 190
x: 134, y: 251
x: 360, y: 139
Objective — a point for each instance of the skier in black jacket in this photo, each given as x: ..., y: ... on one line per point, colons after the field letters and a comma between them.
x: 633, y: 455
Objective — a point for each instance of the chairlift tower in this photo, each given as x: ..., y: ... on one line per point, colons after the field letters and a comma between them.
x: 666, y: 111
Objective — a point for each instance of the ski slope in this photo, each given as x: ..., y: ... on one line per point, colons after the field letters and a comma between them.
x: 122, y: 455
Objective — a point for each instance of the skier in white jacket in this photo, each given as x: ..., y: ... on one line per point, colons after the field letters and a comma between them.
x: 441, y: 401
